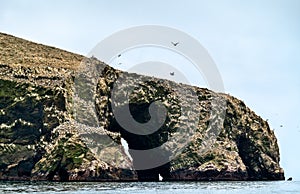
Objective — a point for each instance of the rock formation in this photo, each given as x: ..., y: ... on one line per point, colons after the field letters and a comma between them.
x: 49, y: 131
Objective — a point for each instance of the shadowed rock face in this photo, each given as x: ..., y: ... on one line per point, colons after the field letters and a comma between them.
x: 40, y: 140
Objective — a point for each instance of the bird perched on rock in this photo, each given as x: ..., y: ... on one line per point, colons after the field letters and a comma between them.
x: 175, y: 43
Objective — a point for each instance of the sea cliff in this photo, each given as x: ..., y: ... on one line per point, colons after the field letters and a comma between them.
x: 46, y: 133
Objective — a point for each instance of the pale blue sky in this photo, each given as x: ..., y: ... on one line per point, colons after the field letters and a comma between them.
x: 255, y: 44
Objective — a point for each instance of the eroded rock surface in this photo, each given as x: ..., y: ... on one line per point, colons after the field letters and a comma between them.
x: 43, y: 136
x: 39, y: 138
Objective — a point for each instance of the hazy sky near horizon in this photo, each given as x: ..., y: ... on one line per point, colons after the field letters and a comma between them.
x: 255, y: 45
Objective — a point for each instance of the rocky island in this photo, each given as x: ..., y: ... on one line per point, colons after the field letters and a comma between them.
x: 48, y: 131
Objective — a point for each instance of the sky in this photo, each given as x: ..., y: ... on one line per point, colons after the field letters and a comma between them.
x: 254, y: 44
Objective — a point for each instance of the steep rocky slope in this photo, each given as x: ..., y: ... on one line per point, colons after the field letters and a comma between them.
x: 38, y: 138
x: 49, y: 132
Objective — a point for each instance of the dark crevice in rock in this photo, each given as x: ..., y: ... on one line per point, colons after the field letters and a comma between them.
x: 252, y: 160
x: 63, y: 174
x: 140, y: 113
x: 153, y: 173
x: 243, y: 147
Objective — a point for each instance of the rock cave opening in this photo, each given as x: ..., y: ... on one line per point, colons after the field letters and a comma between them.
x: 150, y: 165
x: 150, y: 161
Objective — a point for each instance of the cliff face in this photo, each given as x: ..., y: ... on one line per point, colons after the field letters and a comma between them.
x: 44, y: 136
x: 244, y: 148
x: 39, y: 138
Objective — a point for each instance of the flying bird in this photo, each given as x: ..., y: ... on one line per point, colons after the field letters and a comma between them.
x: 119, y: 55
x: 175, y: 43
x: 172, y: 73
x: 281, y: 125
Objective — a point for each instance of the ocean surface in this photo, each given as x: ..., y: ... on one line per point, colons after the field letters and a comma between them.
x: 152, y: 187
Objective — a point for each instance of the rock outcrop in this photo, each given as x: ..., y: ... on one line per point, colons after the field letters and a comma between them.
x: 39, y: 139
x: 244, y: 147
x: 49, y: 131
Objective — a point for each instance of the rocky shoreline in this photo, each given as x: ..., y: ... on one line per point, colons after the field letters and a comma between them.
x: 43, y: 136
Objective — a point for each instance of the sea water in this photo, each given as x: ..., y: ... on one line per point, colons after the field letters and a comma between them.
x: 240, y: 187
